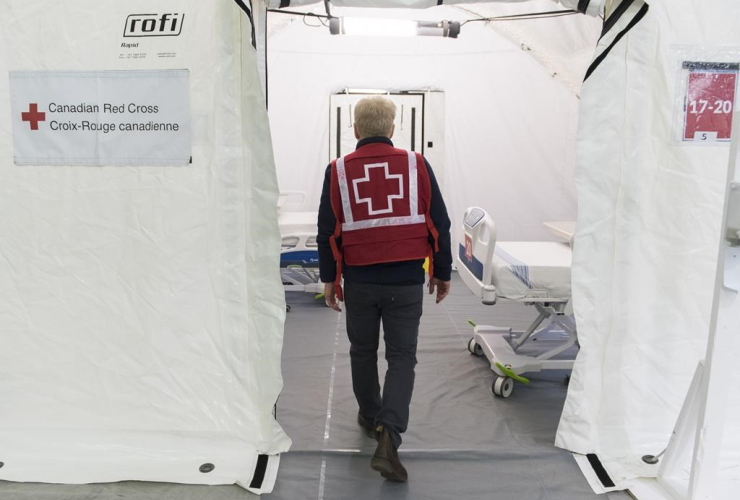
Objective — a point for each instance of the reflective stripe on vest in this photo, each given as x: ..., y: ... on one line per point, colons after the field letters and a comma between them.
x: 415, y: 217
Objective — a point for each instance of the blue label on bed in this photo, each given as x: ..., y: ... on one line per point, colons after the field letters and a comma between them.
x: 474, y: 265
x: 303, y: 258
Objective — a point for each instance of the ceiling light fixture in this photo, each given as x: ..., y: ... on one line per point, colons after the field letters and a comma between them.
x: 392, y: 27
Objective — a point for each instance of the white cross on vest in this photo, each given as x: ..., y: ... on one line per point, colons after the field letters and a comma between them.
x: 390, y: 197
x: 415, y: 215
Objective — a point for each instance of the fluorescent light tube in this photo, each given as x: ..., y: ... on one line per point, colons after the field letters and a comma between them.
x: 363, y: 26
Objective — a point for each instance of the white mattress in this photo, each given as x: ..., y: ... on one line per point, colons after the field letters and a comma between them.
x: 292, y: 223
x: 532, y: 269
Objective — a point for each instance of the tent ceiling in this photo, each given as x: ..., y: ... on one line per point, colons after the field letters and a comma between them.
x: 563, y: 45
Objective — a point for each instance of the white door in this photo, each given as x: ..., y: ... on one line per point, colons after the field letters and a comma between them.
x: 409, y: 132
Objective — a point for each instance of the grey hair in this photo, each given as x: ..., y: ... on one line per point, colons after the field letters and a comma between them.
x: 374, y: 116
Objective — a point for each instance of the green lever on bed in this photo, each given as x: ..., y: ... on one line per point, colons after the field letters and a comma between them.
x: 471, y: 323
x: 318, y: 296
x: 509, y: 373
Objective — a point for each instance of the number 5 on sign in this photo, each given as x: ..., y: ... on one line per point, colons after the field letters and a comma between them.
x: 705, y: 136
x: 710, y: 101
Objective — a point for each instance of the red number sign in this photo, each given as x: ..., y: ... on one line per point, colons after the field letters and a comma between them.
x: 710, y: 100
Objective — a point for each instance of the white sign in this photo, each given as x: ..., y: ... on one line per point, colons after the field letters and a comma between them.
x: 101, y: 117
x: 705, y: 136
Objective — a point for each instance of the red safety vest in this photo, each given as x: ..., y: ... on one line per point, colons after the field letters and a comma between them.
x: 381, y: 197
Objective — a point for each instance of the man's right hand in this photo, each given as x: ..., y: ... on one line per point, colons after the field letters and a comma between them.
x: 330, y: 294
x: 442, y: 287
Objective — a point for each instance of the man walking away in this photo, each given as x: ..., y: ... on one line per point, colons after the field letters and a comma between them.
x: 381, y: 215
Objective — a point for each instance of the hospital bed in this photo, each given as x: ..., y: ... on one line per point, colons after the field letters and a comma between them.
x: 533, y: 273
x: 299, y: 255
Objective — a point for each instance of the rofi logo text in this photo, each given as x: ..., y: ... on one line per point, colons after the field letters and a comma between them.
x: 138, y: 25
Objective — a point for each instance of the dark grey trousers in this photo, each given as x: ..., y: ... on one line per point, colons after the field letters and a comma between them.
x: 399, y: 308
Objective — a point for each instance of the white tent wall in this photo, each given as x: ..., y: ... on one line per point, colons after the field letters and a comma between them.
x: 650, y: 209
x: 141, y: 306
x: 516, y: 164
x: 728, y: 476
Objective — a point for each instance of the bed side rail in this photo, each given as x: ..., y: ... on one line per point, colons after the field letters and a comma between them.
x: 475, y: 251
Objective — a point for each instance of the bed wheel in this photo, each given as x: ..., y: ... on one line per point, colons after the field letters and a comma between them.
x: 474, y: 347
x: 502, y: 386
x: 287, y: 308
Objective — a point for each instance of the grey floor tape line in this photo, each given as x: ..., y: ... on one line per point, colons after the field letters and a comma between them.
x: 462, y: 443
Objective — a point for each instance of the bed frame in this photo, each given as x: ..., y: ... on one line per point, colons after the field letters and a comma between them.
x: 500, y: 344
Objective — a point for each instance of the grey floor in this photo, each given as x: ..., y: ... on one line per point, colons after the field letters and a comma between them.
x: 462, y: 443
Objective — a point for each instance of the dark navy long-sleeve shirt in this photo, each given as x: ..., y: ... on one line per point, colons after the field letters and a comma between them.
x: 392, y: 273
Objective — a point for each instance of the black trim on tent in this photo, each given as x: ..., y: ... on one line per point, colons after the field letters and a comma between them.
x: 339, y: 132
x: 616, y: 16
x: 423, y: 120
x: 248, y: 12
x: 284, y: 4
x: 600, y: 471
x: 267, y: 79
x: 259, y: 472
x: 413, y: 129
x: 583, y: 5
x: 638, y: 17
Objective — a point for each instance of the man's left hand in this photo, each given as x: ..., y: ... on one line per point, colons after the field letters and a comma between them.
x: 330, y: 295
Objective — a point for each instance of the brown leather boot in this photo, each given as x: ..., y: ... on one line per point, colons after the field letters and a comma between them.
x: 386, y: 459
x: 367, y: 426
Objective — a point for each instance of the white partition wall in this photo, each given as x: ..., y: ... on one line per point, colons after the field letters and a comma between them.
x: 140, y: 304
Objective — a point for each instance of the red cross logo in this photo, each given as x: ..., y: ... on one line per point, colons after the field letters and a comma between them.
x: 33, y: 116
x: 378, y: 198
